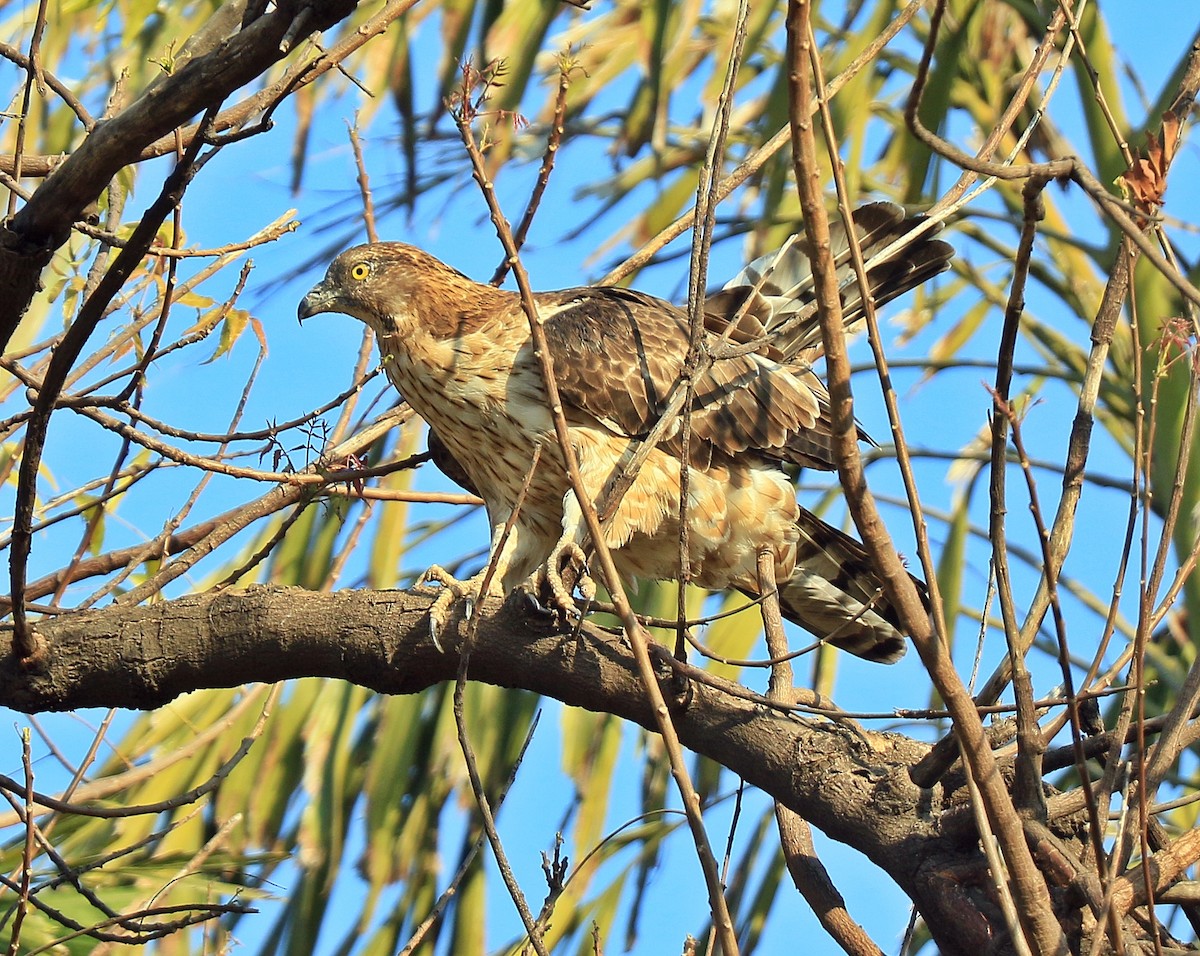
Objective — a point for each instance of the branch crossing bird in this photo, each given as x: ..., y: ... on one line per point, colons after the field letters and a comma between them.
x: 461, y: 354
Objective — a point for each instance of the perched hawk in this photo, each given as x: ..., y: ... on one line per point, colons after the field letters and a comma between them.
x: 461, y: 354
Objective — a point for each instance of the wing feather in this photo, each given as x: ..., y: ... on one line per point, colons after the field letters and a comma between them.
x: 778, y: 288
x: 618, y: 355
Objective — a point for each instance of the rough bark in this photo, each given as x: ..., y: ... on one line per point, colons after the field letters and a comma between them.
x: 852, y: 784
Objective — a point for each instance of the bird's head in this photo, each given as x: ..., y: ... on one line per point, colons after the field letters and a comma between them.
x: 379, y: 283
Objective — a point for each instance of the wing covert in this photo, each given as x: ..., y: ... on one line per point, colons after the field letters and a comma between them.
x: 618, y: 355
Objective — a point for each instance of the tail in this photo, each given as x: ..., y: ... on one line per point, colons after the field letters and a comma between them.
x: 836, y: 595
x: 774, y: 298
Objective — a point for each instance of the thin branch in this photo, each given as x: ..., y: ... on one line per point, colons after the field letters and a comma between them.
x: 439, y: 906
x: 533, y: 928
x: 1095, y: 828
x: 636, y: 634
x: 702, y: 237
x: 25, y: 644
x: 1030, y: 891
x: 567, y: 64
x: 77, y: 793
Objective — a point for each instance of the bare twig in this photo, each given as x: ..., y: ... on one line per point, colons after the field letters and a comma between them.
x: 637, y: 636
x: 1028, y: 792
x: 29, y: 852
x: 239, y: 518
x: 439, y: 906
x: 566, y: 66
x: 281, y: 227
x: 1030, y: 891
x: 161, y: 806
x: 1096, y: 830
x: 489, y: 822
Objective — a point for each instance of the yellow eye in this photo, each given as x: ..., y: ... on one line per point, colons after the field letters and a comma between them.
x: 359, y: 271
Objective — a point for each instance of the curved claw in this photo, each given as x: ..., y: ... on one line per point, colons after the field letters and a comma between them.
x: 568, y: 556
x: 449, y: 591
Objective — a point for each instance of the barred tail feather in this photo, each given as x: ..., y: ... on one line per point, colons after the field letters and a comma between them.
x: 836, y: 595
x: 774, y: 294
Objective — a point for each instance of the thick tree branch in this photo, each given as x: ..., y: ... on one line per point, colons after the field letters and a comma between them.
x: 853, y: 785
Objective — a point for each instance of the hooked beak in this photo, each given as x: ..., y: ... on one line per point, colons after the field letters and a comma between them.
x: 320, y: 298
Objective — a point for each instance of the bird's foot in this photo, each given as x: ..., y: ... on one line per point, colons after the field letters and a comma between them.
x: 449, y: 590
x: 565, y: 572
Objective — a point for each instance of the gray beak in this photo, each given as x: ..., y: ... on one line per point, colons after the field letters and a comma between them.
x: 319, y: 299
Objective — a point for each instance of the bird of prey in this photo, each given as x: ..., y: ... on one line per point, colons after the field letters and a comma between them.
x: 461, y: 354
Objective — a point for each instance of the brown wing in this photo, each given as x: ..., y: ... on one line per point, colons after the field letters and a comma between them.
x: 618, y: 354
x: 770, y: 304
